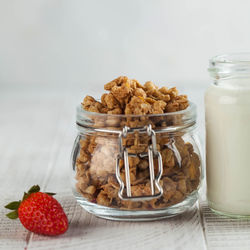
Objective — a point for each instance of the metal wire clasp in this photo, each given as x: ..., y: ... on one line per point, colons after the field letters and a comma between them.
x: 152, y: 152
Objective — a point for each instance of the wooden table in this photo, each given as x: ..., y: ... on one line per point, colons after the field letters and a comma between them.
x: 36, y: 137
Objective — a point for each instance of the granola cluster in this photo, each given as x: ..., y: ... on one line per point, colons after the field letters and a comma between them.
x: 129, y: 97
x: 96, y: 161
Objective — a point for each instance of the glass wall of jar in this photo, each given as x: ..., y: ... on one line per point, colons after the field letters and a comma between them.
x: 227, y: 104
x: 134, y: 167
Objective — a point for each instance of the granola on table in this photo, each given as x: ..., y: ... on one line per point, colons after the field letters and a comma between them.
x: 95, y: 165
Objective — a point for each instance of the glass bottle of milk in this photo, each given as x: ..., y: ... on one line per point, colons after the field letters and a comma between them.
x: 227, y: 105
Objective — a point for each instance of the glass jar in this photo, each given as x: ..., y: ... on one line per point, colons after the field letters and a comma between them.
x: 136, y: 167
x: 227, y: 104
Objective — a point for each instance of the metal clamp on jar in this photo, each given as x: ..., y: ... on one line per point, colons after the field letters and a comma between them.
x: 124, y: 155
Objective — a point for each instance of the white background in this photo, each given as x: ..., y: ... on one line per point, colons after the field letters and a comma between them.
x: 80, y: 45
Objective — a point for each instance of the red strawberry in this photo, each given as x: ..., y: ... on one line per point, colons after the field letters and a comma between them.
x: 39, y: 213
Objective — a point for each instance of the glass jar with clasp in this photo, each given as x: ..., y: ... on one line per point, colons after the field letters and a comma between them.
x: 131, y: 167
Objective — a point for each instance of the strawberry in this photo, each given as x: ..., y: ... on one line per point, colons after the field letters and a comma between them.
x: 39, y: 213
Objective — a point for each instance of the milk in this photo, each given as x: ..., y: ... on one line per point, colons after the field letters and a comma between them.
x: 228, y: 146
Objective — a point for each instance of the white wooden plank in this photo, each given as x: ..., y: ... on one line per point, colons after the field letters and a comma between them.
x: 26, y: 139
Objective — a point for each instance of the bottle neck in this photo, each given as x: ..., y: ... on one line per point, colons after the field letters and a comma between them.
x: 231, y: 71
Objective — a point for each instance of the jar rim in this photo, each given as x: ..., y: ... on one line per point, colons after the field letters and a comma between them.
x: 231, y: 58
x: 191, y: 110
x: 183, y: 119
x: 232, y: 65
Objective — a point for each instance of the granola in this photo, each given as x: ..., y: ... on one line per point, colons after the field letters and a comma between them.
x: 95, y: 165
x: 128, y: 96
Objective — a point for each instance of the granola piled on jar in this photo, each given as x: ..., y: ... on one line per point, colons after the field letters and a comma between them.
x: 129, y: 97
x: 96, y: 161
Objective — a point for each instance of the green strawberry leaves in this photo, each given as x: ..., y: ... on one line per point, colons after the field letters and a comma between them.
x: 12, y: 215
x: 51, y: 194
x: 25, y: 196
x: 15, y: 204
x: 34, y: 189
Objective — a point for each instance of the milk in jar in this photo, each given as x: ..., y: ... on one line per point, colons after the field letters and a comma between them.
x: 227, y: 107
